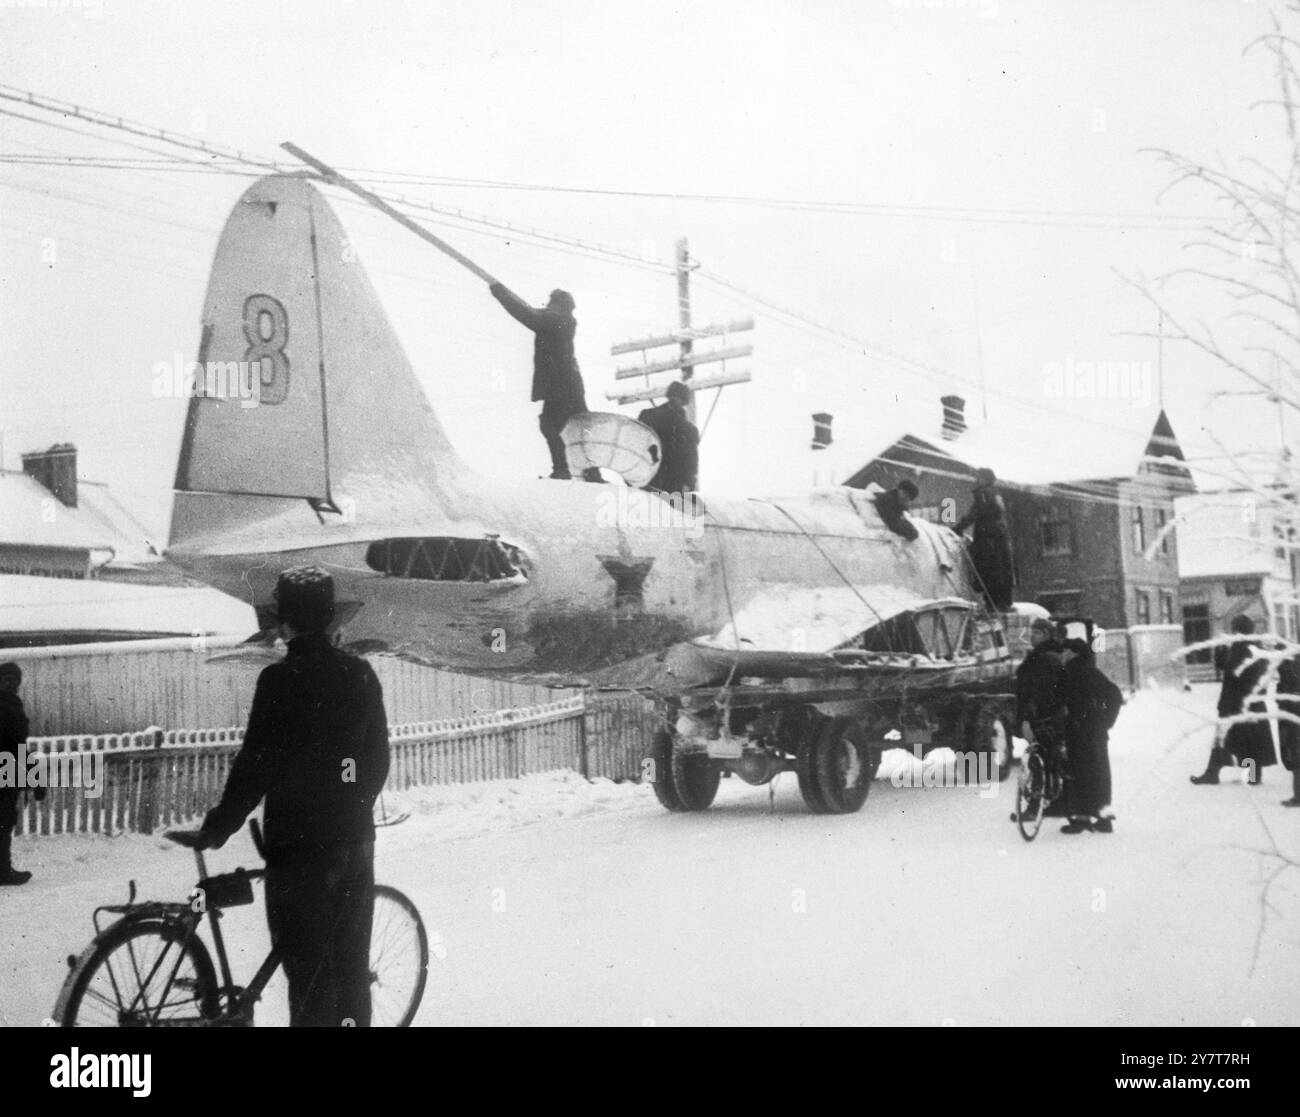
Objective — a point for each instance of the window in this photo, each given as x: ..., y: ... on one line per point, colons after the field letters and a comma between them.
x: 1139, y: 530
x: 1166, y: 607
x: 1143, y: 612
x: 1241, y: 587
x: 1196, y: 630
x: 444, y: 559
x: 1056, y: 533
x: 1162, y: 518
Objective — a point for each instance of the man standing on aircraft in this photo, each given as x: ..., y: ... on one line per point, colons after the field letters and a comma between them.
x: 317, y: 748
x: 990, y: 550
x: 679, y: 467
x: 557, y: 382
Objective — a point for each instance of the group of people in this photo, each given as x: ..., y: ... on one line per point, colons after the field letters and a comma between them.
x: 1067, y: 707
x: 557, y: 384
x: 1248, y: 742
x: 992, y: 563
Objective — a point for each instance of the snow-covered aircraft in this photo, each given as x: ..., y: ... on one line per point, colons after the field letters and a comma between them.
x: 343, y: 463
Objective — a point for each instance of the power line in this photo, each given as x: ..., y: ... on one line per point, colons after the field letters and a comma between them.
x: 801, y: 321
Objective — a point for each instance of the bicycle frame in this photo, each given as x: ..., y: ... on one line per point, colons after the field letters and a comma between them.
x: 235, y: 1003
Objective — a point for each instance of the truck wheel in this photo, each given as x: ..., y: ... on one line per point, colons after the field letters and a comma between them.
x: 991, y: 736
x: 806, y: 771
x: 844, y: 765
x: 696, y: 779
x: 661, y: 774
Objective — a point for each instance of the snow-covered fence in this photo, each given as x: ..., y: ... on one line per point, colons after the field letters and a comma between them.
x: 619, y: 729
x: 156, y: 778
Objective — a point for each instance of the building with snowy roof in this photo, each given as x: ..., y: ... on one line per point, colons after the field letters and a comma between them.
x: 1237, y: 556
x: 56, y: 525
x: 1090, y: 506
x: 77, y: 566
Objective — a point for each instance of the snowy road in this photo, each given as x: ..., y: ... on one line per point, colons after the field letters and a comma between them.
x: 556, y: 902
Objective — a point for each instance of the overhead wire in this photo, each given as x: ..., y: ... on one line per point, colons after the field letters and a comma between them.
x: 783, y: 314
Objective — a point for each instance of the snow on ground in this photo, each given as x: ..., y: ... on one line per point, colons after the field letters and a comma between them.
x: 553, y: 901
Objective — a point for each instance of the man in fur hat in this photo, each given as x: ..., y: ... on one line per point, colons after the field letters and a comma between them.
x: 316, y: 748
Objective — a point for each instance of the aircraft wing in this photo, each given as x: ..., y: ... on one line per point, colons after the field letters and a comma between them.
x: 790, y: 631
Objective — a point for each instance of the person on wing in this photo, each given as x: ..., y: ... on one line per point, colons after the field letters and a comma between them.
x: 316, y: 748
x: 1092, y: 703
x: 892, y: 504
x: 679, y: 440
x: 990, y: 549
x: 557, y: 381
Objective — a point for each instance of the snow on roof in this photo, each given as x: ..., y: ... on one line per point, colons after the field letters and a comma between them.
x: 132, y: 542
x: 1226, y: 533
x: 31, y: 516
x: 1035, y: 451
x: 48, y: 605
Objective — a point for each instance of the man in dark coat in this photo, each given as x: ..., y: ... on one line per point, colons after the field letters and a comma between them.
x: 892, y: 505
x: 317, y: 748
x: 1248, y: 743
x: 1092, y: 703
x: 679, y: 442
x: 990, y: 549
x: 13, y: 732
x: 1040, y: 698
x: 557, y: 381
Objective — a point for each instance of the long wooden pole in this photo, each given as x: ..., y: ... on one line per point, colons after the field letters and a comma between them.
x: 381, y: 205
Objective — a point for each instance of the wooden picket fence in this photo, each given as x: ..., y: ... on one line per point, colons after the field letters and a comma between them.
x: 154, y: 779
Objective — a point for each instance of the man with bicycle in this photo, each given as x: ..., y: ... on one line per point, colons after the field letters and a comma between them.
x: 317, y: 748
x: 1040, y: 698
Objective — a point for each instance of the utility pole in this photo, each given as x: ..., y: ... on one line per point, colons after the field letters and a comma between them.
x: 684, y: 316
x: 684, y: 337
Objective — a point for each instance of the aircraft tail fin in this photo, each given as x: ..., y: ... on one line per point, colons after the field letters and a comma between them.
x: 301, y: 388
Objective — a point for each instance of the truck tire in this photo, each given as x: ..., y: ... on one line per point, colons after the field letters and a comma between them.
x: 991, y: 735
x: 696, y: 779
x: 806, y: 770
x: 661, y: 773
x: 844, y: 766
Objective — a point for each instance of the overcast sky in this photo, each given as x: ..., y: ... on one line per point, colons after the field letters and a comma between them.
x: 982, y: 149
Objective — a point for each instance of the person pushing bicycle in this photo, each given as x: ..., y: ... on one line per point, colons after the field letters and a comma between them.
x: 316, y: 748
x: 1040, y: 697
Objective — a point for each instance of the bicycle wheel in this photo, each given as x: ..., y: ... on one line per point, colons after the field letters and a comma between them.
x: 1031, y: 796
x: 139, y: 974
x: 399, y: 959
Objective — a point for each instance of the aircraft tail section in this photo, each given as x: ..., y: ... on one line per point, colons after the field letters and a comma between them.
x: 301, y: 390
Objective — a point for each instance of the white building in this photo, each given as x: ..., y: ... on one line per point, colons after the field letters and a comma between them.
x: 1237, y: 555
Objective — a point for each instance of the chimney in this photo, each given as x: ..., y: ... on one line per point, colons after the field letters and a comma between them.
x: 56, y: 469
x: 821, y: 430
x: 954, y: 417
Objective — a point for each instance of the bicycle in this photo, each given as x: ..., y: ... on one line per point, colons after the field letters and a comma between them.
x: 1041, y: 784
x: 151, y: 969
